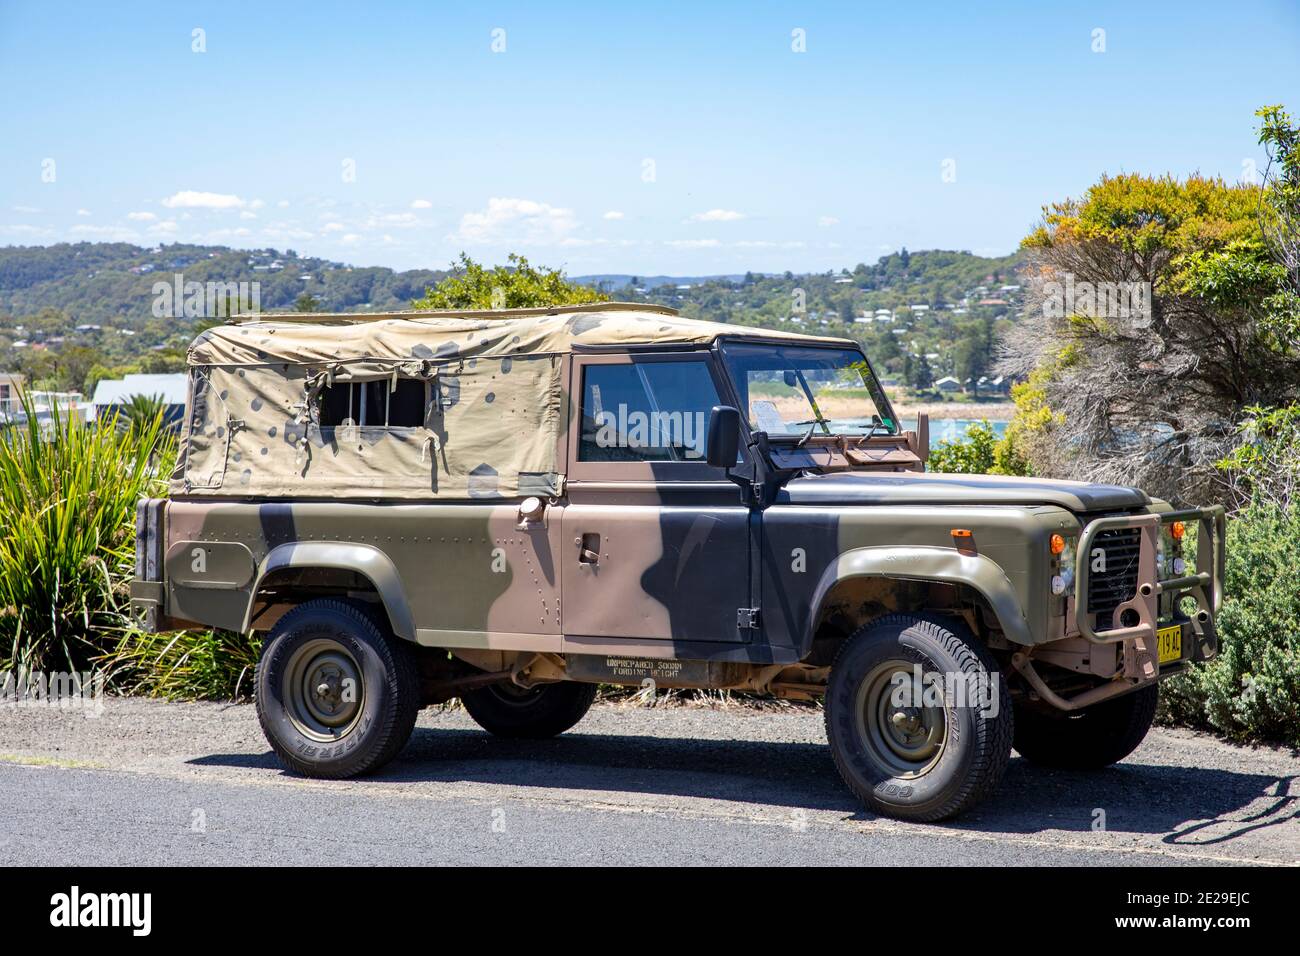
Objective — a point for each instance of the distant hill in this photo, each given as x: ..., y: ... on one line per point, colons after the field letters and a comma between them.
x: 919, y: 315
x: 99, y: 283
x: 618, y: 281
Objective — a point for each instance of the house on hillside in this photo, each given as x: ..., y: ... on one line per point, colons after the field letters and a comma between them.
x: 172, y: 388
x: 11, y: 384
x: 947, y: 384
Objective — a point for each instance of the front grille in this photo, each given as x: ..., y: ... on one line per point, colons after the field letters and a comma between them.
x: 1109, y: 589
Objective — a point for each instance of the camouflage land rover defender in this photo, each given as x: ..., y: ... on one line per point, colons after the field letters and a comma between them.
x: 514, y: 507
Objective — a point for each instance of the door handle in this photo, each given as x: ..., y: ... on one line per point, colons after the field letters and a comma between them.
x: 588, y: 548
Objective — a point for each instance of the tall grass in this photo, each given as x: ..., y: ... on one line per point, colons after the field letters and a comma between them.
x: 68, y: 492
x: 186, y: 665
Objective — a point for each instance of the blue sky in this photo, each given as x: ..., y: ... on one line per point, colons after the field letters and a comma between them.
x: 645, y: 138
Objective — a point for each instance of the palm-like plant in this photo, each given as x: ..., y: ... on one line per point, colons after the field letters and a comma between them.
x: 68, y: 493
x: 140, y: 412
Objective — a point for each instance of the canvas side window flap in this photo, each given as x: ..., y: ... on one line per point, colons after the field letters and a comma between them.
x: 384, y: 403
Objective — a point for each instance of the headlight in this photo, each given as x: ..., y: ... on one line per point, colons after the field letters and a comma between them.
x: 1063, y: 548
x: 1169, y: 551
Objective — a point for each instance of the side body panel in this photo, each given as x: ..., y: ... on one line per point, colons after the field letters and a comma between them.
x: 806, y: 550
x: 672, y: 565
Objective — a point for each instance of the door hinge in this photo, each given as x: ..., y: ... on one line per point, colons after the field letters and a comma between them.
x: 747, y: 618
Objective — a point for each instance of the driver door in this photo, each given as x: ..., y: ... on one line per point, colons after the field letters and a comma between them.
x: 658, y: 542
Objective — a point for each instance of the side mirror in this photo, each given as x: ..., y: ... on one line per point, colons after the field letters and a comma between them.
x: 724, y: 436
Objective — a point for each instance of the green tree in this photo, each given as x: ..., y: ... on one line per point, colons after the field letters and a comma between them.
x: 518, y: 285
x: 919, y: 374
x: 306, y: 302
x: 1280, y: 136
x: 74, y: 364
x: 1151, y: 326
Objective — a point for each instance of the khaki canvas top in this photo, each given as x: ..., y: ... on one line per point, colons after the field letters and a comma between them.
x: 313, y: 338
x: 302, y: 405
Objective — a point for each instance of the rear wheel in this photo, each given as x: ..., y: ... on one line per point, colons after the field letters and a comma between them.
x: 1090, y: 739
x: 915, y: 718
x: 336, y: 695
x: 535, y: 712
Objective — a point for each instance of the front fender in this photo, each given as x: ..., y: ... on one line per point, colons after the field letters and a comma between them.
x: 946, y: 565
x: 376, y: 566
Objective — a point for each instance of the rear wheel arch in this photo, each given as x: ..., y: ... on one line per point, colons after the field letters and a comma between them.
x: 335, y: 568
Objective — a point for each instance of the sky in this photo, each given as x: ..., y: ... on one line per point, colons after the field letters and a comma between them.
x: 642, y: 138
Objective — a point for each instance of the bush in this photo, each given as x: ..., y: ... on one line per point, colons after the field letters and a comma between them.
x: 1265, y: 467
x: 981, y: 452
x: 68, y: 493
x: 1251, y: 691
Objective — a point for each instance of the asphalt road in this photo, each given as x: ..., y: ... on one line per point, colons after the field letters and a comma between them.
x: 192, y: 784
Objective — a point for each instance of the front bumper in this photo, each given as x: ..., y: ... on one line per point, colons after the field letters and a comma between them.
x: 1137, y: 617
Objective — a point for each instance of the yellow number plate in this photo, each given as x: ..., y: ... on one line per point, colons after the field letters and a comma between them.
x: 1169, y: 642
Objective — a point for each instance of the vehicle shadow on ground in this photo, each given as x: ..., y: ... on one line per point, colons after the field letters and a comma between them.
x: 1190, y: 806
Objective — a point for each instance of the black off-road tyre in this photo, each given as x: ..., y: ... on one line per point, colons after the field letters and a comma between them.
x: 534, y: 714
x: 936, y: 761
x: 1095, y: 737
x: 321, y: 733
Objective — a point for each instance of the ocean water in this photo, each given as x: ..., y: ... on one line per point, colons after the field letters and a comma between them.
x: 952, y: 429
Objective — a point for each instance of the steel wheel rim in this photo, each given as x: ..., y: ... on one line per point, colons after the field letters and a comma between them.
x: 323, y: 689
x: 906, y: 737
x: 513, y: 695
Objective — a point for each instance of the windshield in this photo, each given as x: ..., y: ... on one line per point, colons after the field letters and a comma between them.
x: 790, y: 390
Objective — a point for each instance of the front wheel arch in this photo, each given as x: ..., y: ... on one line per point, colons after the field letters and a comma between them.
x: 899, y: 565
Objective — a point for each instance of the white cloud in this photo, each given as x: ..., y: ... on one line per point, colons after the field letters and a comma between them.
x: 217, y: 236
x: 257, y: 204
x: 106, y: 233
x: 693, y: 243
x: 273, y: 231
x: 83, y: 212
x: 245, y: 214
x: 717, y: 215
x: 401, y: 219
x: 23, y: 229
x: 141, y: 216
x: 516, y: 220
x: 283, y: 204
x: 166, y: 227
x: 351, y: 237
x: 828, y: 221
x: 422, y: 204
x: 333, y: 227
x: 613, y: 214
x: 190, y: 199
x: 26, y: 209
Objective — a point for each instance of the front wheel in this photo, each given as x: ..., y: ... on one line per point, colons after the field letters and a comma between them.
x: 915, y: 718
x: 336, y: 695
x: 538, y: 712
x: 1089, y: 739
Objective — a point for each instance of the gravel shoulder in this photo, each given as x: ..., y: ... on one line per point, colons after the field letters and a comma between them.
x: 628, y: 784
